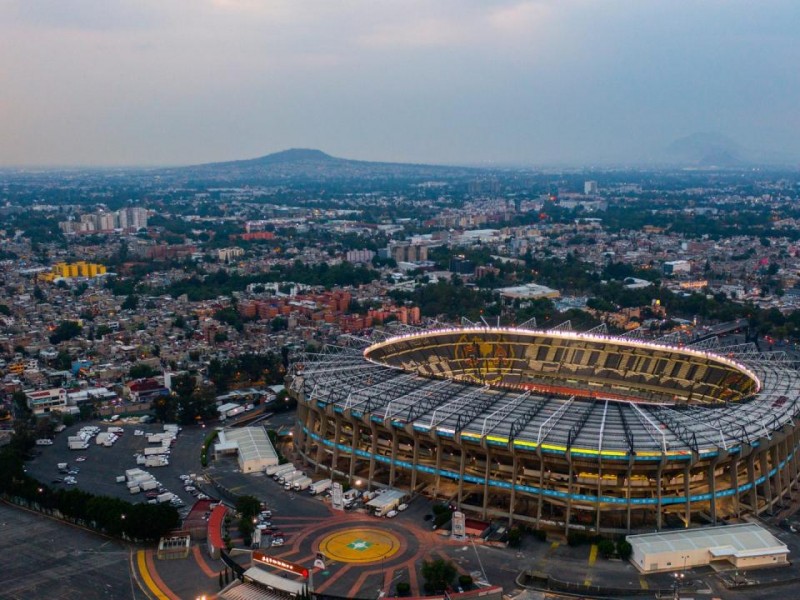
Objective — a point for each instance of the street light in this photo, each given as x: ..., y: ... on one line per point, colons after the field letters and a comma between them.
x: 676, y: 586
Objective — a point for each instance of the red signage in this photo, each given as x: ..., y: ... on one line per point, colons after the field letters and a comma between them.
x: 283, y: 565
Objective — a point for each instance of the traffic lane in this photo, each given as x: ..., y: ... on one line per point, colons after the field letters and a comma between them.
x: 226, y: 475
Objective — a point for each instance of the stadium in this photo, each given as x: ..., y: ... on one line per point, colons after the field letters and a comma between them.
x: 555, y: 428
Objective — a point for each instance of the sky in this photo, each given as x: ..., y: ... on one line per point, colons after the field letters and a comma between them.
x: 487, y: 82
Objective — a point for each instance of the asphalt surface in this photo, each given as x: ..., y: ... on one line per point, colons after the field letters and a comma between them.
x: 97, y: 474
x: 45, y: 558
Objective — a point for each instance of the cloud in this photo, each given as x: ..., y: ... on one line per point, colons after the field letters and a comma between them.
x: 444, y: 80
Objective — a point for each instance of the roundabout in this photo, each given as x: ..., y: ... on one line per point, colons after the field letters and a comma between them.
x: 360, y: 545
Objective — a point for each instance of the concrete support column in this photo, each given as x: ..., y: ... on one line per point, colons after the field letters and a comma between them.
x: 765, y: 473
x: 323, y: 435
x: 373, y: 450
x: 712, y: 488
x: 486, y: 475
x: 734, y: 483
x: 414, y: 463
x: 461, y: 469
x: 392, y: 468
x: 541, y: 487
x: 687, y: 477
x: 569, y: 493
x: 659, y: 495
x: 337, y: 430
x: 354, y: 445
x: 438, y: 478
x: 513, y: 497
x: 628, y: 475
x: 751, y: 479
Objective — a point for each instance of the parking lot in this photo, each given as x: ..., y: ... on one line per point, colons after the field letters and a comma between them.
x: 44, y: 558
x: 97, y: 473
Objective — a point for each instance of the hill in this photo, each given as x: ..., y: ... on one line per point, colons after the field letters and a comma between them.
x: 302, y: 164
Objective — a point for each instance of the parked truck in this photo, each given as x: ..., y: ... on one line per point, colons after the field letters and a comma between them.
x: 153, y: 450
x: 272, y: 469
x: 149, y: 485
x: 319, y: 486
x: 156, y: 461
x: 78, y: 445
x: 165, y: 497
x: 283, y: 477
x: 283, y: 469
x: 301, y: 484
x: 289, y: 480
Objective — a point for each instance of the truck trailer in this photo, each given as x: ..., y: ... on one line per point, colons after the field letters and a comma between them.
x: 302, y: 484
x: 289, y: 480
x: 286, y: 468
x: 319, y: 486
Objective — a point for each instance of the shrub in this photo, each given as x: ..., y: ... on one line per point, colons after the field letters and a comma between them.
x: 605, y: 548
x: 539, y: 534
x: 514, y: 537
x: 465, y: 581
x: 403, y: 588
x: 624, y: 549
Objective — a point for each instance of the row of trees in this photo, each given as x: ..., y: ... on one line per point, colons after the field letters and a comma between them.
x: 188, y: 402
x: 268, y: 368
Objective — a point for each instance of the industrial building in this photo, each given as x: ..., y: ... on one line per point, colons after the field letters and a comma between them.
x: 743, y: 546
x: 251, y: 445
x: 556, y: 429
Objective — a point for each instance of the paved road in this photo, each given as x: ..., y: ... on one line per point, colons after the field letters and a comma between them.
x: 45, y: 558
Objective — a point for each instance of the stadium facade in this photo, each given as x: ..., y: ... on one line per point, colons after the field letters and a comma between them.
x: 556, y: 428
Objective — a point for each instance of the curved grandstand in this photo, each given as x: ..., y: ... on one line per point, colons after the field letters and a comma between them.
x: 556, y: 428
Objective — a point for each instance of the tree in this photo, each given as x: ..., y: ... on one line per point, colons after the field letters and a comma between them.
x: 141, y: 370
x: 131, y: 302
x: 465, y: 582
x: 438, y: 575
x: 514, y: 537
x: 66, y: 330
x: 624, y: 549
x: 403, y: 588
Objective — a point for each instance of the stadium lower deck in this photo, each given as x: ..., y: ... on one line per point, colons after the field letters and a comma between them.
x: 553, y: 450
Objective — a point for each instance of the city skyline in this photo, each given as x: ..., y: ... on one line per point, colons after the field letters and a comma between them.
x: 508, y: 82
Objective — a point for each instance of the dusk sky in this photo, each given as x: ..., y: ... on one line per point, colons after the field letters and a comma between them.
x: 146, y: 82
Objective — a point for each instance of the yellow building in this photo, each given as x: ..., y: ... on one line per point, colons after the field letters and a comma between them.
x: 69, y: 270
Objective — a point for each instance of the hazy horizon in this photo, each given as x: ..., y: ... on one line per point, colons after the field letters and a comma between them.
x: 468, y: 82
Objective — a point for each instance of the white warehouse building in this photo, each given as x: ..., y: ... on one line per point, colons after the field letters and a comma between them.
x: 251, y: 445
x: 744, y: 546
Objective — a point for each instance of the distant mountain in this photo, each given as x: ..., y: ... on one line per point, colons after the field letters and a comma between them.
x: 706, y: 150
x: 299, y: 164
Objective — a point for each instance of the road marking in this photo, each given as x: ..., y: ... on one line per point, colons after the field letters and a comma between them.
x: 643, y: 583
x: 592, y: 555
x: 148, y: 580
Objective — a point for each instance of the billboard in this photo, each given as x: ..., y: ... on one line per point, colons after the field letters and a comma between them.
x: 278, y: 563
x: 337, y: 499
x: 459, y: 524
